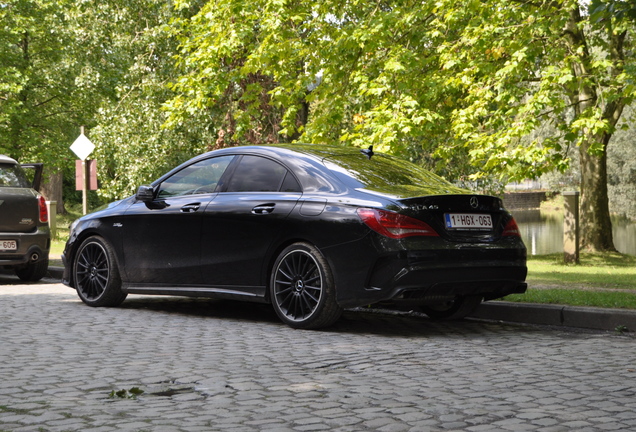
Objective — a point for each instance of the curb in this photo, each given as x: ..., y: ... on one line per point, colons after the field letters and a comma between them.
x: 530, y: 313
x: 557, y: 315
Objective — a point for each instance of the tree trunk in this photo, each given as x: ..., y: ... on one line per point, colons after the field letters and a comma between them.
x: 595, y: 224
x: 52, y: 188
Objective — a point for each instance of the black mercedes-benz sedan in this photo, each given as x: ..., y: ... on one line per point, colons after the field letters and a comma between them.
x: 310, y: 229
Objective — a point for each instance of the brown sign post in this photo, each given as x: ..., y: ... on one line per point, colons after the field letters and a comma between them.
x: 81, y: 169
x: 82, y: 147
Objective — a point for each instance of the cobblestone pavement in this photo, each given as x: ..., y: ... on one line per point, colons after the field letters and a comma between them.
x: 208, y: 365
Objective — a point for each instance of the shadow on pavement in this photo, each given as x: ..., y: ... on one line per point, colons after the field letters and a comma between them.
x: 359, y: 321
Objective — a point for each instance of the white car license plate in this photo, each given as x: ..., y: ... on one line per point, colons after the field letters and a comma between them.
x: 468, y: 221
x: 8, y: 245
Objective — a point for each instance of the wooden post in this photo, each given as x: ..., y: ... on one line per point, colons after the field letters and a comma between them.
x: 52, y: 209
x: 571, y: 227
x: 85, y: 182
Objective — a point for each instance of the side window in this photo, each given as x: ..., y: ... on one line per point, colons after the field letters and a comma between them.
x: 290, y: 184
x: 199, y: 178
x: 257, y: 174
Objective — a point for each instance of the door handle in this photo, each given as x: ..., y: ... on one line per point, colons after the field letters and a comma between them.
x: 263, y: 209
x: 190, y: 208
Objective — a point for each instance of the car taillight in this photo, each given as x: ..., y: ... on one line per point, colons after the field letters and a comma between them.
x: 511, y: 229
x: 44, y: 213
x: 394, y: 225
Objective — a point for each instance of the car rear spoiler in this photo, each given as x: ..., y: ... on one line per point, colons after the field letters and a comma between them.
x: 37, y: 174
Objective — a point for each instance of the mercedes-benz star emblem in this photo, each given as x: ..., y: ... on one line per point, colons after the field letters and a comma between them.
x: 474, y: 203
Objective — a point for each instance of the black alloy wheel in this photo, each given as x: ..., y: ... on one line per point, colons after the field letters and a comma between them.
x: 96, y: 275
x: 302, y: 288
x: 455, y: 309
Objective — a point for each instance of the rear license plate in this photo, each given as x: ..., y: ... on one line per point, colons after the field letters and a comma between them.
x: 8, y: 245
x: 468, y: 221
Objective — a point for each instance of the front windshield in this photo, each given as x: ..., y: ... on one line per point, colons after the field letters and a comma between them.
x: 11, y: 175
x: 388, y: 176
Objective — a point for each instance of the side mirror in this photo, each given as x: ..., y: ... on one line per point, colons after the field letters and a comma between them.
x: 145, y: 194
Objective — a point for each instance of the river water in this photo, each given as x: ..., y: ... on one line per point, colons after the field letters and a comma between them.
x: 543, y: 232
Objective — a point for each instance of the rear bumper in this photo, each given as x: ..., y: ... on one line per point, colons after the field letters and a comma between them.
x: 32, y: 247
x: 487, y: 289
x: 431, y: 276
x: 415, y: 279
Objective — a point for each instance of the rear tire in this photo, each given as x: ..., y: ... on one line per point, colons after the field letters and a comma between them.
x: 302, y: 288
x: 96, y: 275
x: 34, y: 271
x: 455, y: 309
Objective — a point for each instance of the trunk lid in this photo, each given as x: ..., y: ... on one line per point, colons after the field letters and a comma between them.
x: 461, y: 218
x: 19, y: 210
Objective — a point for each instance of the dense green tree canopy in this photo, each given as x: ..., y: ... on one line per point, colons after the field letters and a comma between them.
x: 465, y: 87
x: 557, y: 62
x: 446, y: 81
x: 133, y: 146
x: 333, y: 71
x: 38, y: 73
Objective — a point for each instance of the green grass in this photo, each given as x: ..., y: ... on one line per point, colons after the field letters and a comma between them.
x: 574, y: 297
x: 600, y: 280
x: 606, y: 270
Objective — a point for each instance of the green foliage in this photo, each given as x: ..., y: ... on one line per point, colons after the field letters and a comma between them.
x: 523, y: 65
x: 38, y: 69
x: 103, y: 65
x: 335, y: 72
x: 622, y: 168
x: 132, y: 393
x: 472, y: 89
x: 620, y: 329
x: 463, y: 81
x: 133, y: 148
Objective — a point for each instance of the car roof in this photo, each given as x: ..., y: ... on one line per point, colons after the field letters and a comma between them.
x: 313, y: 164
x: 317, y: 151
x: 7, y: 160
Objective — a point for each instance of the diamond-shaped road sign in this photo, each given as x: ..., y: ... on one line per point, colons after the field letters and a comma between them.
x: 82, y: 147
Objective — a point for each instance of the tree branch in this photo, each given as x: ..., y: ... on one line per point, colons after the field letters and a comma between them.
x: 46, y: 101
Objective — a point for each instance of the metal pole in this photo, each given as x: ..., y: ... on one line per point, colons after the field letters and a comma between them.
x: 84, y: 187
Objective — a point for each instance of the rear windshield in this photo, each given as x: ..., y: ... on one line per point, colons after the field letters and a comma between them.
x: 12, y: 175
x: 388, y: 176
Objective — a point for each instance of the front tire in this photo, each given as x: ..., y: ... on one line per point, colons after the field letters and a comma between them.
x: 302, y: 288
x: 455, y: 309
x: 96, y: 275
